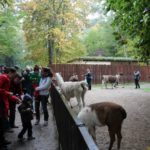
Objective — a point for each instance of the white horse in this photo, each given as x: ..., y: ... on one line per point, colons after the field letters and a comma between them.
x: 72, y: 89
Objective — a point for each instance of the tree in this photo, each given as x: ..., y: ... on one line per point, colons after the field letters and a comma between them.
x: 3, y: 3
x: 54, y: 25
x: 101, y: 37
x: 133, y: 18
x: 10, y: 36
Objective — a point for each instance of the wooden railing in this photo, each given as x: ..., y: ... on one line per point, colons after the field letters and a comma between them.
x: 72, y: 133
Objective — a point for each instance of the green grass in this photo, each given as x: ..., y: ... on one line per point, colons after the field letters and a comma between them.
x: 146, y: 89
x: 144, y: 86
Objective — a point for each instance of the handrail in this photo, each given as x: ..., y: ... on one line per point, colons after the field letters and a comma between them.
x: 73, y: 134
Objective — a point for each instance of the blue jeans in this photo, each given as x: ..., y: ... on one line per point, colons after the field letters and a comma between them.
x: 44, y: 100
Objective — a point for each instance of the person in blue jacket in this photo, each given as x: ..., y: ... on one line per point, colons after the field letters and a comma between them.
x: 88, y: 78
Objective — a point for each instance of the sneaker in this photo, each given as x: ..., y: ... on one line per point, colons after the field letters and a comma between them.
x: 45, y: 123
x: 21, y: 139
x: 36, y: 122
x: 31, y: 138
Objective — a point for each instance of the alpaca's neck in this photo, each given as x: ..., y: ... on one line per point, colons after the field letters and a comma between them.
x: 60, y: 79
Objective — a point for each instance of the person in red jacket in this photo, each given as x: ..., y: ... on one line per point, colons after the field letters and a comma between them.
x: 16, y: 89
x: 5, y: 96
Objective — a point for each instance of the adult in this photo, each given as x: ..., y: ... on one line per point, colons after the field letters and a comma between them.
x: 88, y: 78
x: 16, y: 89
x: 5, y: 96
x: 26, y: 82
x: 43, y: 89
x: 137, y: 76
x: 35, y: 79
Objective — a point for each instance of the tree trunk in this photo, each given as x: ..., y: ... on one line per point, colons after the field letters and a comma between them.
x: 50, y: 50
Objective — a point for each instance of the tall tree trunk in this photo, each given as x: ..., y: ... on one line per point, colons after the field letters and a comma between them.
x: 50, y: 50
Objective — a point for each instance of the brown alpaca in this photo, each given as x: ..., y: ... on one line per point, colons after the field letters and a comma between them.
x: 101, y: 114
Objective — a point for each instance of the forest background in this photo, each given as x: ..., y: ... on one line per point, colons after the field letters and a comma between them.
x: 55, y: 31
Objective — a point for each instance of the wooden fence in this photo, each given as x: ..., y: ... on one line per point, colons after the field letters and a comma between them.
x: 98, y: 70
x: 72, y: 133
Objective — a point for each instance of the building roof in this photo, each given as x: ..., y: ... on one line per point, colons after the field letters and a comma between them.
x: 103, y: 59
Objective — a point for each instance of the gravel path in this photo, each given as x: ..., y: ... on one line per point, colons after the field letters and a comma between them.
x: 136, y: 127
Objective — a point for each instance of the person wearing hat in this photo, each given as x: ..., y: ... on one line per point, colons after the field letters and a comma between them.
x: 26, y: 113
x: 43, y: 89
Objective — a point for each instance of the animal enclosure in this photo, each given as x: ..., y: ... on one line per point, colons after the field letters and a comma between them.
x: 99, y: 70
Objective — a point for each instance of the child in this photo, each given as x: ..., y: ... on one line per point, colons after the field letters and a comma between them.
x: 25, y: 110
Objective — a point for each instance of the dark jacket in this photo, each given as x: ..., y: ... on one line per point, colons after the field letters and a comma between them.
x: 25, y: 112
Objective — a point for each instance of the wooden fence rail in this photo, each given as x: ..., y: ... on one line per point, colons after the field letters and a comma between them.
x: 72, y: 133
x: 98, y: 70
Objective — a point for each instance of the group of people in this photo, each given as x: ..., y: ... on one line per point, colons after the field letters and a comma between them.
x: 89, y: 76
x: 28, y: 89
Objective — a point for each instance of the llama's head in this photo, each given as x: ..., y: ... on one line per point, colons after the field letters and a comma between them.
x: 118, y: 76
x: 59, y: 79
x: 86, y: 115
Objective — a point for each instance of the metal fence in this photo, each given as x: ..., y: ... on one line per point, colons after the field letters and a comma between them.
x: 72, y: 133
x: 99, y: 70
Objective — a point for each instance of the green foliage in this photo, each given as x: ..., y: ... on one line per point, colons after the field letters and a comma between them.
x: 53, y: 25
x: 10, y: 34
x: 6, y: 2
x: 128, y: 49
x: 133, y: 18
x: 101, y: 37
x: 73, y: 49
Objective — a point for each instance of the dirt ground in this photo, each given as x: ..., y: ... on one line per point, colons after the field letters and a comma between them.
x: 136, y: 127
x: 46, y: 137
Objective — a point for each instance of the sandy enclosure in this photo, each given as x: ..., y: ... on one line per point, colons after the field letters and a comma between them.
x: 136, y: 127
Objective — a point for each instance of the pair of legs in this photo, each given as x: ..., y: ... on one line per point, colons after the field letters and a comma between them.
x: 2, y: 139
x: 43, y: 100
x: 12, y: 106
x: 112, y: 133
x: 27, y: 126
x: 89, y: 84
x: 137, y: 85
